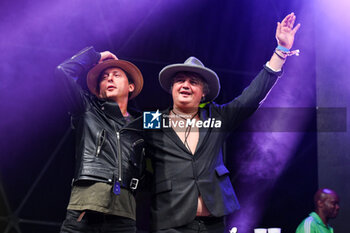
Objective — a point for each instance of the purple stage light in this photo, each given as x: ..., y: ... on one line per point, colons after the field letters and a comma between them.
x: 267, y: 154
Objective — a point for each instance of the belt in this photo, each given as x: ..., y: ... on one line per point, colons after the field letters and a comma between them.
x: 209, y: 219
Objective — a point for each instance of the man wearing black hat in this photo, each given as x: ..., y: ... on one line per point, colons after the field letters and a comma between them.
x: 109, y: 142
x: 192, y: 189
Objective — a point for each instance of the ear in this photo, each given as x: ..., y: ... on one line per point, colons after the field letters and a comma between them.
x: 131, y: 87
x: 320, y: 204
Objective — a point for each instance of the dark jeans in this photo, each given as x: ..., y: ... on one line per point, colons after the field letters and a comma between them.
x: 94, y: 222
x: 199, y: 224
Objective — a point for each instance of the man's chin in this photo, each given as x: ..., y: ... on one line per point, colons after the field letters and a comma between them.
x: 111, y: 95
x: 334, y: 215
x: 185, y: 101
x: 186, y: 104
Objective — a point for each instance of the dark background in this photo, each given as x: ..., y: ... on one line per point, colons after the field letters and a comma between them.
x: 275, y: 169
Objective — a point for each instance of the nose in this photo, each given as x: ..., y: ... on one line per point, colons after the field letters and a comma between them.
x: 186, y: 84
x: 337, y: 207
x: 110, y: 77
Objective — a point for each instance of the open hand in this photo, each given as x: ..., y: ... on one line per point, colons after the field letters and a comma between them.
x: 285, y: 32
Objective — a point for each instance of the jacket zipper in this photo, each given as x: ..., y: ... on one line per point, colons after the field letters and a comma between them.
x: 100, y: 141
x: 81, y: 52
x: 120, y: 153
x: 119, y: 158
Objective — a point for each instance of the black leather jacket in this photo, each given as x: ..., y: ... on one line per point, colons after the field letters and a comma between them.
x: 108, y: 147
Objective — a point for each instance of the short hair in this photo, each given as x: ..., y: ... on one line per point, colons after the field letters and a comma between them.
x: 321, y: 195
x: 195, y: 75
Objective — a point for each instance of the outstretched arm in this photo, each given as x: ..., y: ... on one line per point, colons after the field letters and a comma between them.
x: 285, y: 33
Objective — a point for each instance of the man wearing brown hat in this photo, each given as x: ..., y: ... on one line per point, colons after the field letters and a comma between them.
x: 192, y: 188
x: 109, y: 142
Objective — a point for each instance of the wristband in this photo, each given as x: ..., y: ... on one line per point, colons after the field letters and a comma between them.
x: 283, y: 49
x: 288, y: 53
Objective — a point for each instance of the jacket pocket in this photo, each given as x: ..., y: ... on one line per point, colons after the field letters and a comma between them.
x: 101, y: 138
x: 163, y: 186
x: 221, y: 170
x: 136, y: 157
x: 137, y: 142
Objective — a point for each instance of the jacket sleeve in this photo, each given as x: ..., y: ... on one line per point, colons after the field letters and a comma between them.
x: 307, y: 226
x: 249, y: 101
x: 70, y: 71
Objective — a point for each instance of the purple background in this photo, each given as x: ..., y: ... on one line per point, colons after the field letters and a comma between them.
x: 274, y: 173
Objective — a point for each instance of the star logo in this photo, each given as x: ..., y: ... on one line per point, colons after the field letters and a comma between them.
x: 151, y: 120
x: 155, y: 115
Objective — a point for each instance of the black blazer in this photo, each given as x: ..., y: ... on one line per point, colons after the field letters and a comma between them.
x: 180, y: 177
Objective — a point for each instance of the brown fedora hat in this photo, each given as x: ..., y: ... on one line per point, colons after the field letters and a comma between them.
x: 128, y: 67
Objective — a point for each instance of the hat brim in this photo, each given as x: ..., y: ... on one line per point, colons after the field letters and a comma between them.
x: 134, y: 73
x: 167, y: 74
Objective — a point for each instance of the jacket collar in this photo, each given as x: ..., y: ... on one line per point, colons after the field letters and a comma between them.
x: 317, y: 219
x: 112, y: 110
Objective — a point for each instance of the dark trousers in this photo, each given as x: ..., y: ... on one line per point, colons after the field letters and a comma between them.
x: 94, y: 222
x: 199, y: 224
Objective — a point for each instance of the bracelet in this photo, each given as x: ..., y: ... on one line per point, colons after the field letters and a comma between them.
x: 283, y: 49
x: 287, y: 52
x: 283, y: 58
